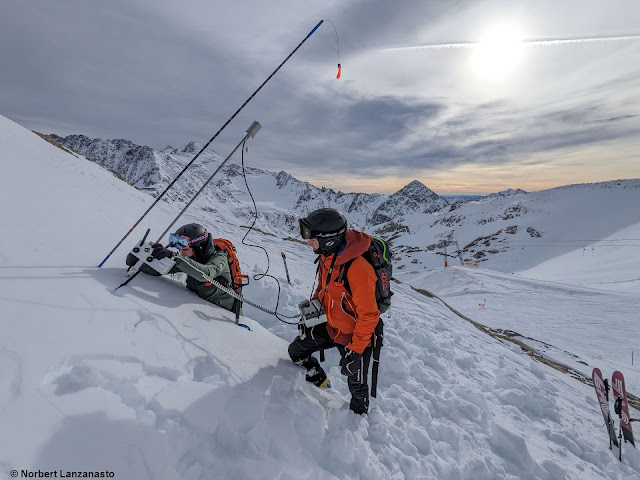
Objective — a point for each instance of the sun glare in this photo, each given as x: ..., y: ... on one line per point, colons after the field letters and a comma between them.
x: 498, y: 52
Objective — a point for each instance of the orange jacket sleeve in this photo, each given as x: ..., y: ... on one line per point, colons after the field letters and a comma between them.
x: 362, y: 282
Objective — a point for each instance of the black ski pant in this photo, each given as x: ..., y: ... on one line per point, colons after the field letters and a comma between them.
x: 317, y: 338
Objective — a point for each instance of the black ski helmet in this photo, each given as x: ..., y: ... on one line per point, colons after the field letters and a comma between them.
x: 199, y: 239
x: 328, y: 225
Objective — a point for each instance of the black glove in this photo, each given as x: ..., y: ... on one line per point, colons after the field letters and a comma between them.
x: 161, y: 252
x: 351, y: 363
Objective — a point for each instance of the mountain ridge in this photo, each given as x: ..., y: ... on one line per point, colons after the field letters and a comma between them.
x: 507, y: 231
x: 145, y: 167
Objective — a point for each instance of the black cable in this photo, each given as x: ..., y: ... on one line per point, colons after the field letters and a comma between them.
x: 337, y: 41
x: 260, y: 276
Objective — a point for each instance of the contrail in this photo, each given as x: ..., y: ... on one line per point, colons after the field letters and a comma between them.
x: 527, y: 43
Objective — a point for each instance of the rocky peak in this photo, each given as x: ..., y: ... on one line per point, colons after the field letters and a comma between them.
x: 507, y: 193
x: 415, y: 190
x: 412, y: 198
x: 192, y: 147
x: 283, y: 179
x: 137, y: 163
x: 232, y: 169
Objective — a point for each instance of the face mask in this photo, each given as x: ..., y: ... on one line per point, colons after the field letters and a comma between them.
x: 330, y: 245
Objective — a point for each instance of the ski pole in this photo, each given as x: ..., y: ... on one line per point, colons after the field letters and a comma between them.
x: 609, y: 421
x: 208, y: 143
x: 617, y: 407
x: 284, y: 259
x: 251, y: 132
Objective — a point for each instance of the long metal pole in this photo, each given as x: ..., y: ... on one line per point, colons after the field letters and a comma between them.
x: 208, y: 143
x: 250, y: 133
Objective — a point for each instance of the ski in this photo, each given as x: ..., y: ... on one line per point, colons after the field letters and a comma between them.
x: 621, y: 406
x: 602, y: 392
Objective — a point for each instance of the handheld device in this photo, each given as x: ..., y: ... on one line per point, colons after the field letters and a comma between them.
x: 312, y: 313
x: 143, y: 252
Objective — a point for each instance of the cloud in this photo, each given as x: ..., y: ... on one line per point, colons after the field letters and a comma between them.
x: 167, y: 74
x: 419, y: 137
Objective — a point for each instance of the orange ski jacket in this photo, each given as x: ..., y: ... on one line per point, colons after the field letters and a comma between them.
x: 351, y: 317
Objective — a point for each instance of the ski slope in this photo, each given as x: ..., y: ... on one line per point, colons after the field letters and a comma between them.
x: 151, y: 382
x: 609, y: 264
x: 520, y: 232
x: 576, y: 326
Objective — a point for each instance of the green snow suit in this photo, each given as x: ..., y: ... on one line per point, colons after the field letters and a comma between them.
x: 217, y: 265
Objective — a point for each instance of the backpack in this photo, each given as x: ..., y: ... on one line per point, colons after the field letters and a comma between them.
x: 379, y: 256
x: 237, y: 278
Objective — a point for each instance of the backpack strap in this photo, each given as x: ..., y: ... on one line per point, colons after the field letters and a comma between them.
x: 315, y: 278
x: 327, y: 287
x: 376, y: 341
x: 342, y: 276
x: 328, y: 279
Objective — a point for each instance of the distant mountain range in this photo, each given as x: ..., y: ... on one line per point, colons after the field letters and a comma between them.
x: 144, y: 167
x: 507, y: 231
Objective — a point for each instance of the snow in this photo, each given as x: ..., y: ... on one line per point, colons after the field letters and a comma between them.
x: 579, y: 327
x: 151, y: 382
x: 615, y: 266
x: 566, y: 218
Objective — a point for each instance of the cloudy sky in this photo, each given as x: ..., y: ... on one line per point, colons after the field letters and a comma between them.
x: 501, y: 114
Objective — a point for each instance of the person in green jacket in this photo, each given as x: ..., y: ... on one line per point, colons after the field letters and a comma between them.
x: 199, y: 255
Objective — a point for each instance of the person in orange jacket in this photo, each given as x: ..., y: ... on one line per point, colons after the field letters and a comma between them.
x: 346, y: 288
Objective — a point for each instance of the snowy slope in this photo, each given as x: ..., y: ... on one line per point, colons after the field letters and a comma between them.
x: 579, y: 327
x: 612, y: 263
x: 153, y: 383
x: 518, y: 232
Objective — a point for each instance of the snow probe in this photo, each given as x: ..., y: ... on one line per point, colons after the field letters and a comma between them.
x: 208, y: 143
x: 229, y: 290
x: 135, y: 270
x: 284, y: 259
x: 253, y: 129
x: 143, y: 252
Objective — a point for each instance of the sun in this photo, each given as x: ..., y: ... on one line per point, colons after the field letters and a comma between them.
x: 498, y: 52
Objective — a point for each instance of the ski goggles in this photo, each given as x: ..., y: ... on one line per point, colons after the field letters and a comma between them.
x: 306, y: 232
x: 180, y: 241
